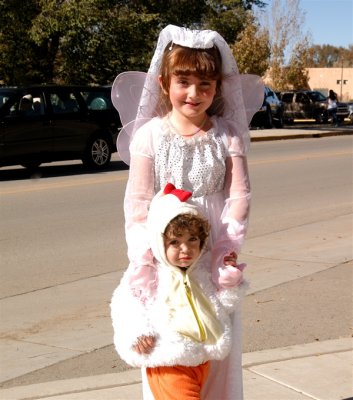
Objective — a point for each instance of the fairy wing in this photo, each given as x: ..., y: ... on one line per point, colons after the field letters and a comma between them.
x: 126, y: 93
x: 135, y: 95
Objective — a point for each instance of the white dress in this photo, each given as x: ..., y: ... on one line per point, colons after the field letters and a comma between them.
x: 213, y: 167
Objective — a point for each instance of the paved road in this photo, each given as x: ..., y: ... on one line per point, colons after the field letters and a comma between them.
x: 298, y: 251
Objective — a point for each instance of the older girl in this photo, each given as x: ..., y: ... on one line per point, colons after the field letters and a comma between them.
x: 191, y: 129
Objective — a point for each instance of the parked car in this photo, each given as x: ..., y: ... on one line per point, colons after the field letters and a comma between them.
x: 309, y: 104
x: 48, y: 123
x: 350, y: 111
x: 270, y: 113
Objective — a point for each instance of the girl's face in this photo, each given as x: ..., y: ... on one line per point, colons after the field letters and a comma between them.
x: 182, y: 250
x: 190, y: 95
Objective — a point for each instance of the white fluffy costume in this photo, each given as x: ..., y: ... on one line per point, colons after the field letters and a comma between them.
x: 189, y: 316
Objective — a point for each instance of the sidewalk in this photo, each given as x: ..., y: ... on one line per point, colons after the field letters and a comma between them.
x: 292, y: 132
x: 320, y: 370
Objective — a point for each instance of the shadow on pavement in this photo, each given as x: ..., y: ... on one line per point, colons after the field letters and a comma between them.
x: 307, y: 125
x: 54, y: 170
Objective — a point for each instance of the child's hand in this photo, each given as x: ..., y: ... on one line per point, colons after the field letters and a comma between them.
x: 231, y: 273
x: 230, y: 259
x: 145, y: 344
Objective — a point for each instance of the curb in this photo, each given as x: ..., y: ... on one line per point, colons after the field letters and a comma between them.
x: 287, y: 135
x: 127, y: 384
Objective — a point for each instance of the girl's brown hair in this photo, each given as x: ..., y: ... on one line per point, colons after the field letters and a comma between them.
x: 180, y: 60
x: 196, y: 225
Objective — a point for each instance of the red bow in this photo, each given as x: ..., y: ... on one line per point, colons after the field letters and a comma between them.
x: 182, y: 195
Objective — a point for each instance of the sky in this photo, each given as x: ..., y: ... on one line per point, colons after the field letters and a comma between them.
x: 328, y: 21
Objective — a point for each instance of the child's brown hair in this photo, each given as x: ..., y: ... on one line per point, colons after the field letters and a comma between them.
x: 194, y: 224
x: 180, y: 60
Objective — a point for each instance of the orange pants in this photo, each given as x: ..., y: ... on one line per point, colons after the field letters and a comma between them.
x: 177, y: 382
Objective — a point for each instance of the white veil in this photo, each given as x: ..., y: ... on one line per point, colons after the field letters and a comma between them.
x: 136, y: 95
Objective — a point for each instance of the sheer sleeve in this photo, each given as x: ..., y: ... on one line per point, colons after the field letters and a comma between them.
x: 234, y: 219
x: 139, y: 192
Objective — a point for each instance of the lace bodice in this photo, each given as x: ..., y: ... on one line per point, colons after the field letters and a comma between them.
x: 196, y: 164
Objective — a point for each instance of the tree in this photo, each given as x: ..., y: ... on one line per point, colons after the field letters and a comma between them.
x: 91, y: 41
x: 20, y: 58
x: 177, y: 12
x: 229, y: 17
x: 284, y: 23
x: 347, y: 56
x: 94, y: 40
x: 296, y: 72
x: 328, y: 56
x: 252, y: 50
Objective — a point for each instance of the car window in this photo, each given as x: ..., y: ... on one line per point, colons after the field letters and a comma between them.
x: 316, y: 96
x: 38, y: 105
x: 27, y: 105
x: 302, y: 98
x: 97, y: 100
x: 4, y: 97
x: 287, y: 97
x: 64, y: 102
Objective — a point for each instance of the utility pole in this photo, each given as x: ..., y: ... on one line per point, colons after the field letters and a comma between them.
x: 341, y: 79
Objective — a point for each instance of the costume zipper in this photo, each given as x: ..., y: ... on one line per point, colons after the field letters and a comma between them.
x: 189, y: 296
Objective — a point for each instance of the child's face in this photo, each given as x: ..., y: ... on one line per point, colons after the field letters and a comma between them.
x: 190, y: 95
x: 182, y: 250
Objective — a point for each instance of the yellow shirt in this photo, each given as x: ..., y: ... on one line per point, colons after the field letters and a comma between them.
x: 191, y: 313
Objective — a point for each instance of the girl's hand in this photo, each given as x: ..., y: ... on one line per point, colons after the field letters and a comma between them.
x: 230, y: 259
x: 145, y: 344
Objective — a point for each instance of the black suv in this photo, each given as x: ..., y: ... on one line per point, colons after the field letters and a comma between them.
x: 271, y: 112
x: 309, y: 104
x: 48, y: 123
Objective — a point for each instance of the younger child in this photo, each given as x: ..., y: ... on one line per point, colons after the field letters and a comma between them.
x: 186, y: 324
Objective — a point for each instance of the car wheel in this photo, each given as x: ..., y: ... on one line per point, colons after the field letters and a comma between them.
x: 98, y: 153
x: 321, y: 118
x: 318, y: 119
x: 279, y: 123
x: 268, y: 124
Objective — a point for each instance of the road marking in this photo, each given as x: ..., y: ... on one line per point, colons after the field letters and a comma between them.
x: 37, y: 185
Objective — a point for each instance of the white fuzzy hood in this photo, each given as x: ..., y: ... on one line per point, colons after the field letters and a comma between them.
x: 165, y: 207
